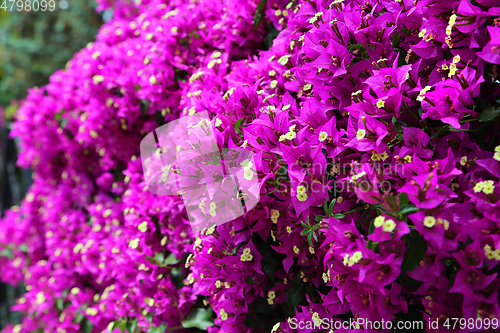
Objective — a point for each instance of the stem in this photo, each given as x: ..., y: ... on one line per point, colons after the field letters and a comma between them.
x: 354, y: 210
x: 417, y: 118
x: 389, y: 145
x: 435, y: 144
x: 464, y: 121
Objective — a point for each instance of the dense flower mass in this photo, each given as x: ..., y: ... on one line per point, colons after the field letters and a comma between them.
x: 375, y: 132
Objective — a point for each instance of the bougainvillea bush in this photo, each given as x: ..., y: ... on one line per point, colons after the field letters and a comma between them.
x: 375, y: 131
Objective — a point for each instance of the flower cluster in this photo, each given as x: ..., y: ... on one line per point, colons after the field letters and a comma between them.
x: 374, y: 131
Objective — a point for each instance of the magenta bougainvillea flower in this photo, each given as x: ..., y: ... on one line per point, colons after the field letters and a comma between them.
x: 374, y: 132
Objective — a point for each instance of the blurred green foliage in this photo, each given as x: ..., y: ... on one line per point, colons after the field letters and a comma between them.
x: 34, y: 44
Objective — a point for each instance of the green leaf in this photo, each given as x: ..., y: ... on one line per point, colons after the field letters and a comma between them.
x: 132, y: 325
x: 249, y: 280
x: 338, y: 216
x: 237, y: 125
x: 87, y: 327
x: 403, y: 199
x: 398, y: 125
x: 416, y: 249
x: 118, y: 324
x: 365, y: 217
x: 235, y: 250
x: 480, y: 133
x: 488, y: 115
x: 160, y: 120
x: 395, y: 39
x: 452, y: 268
x: 79, y: 317
x: 199, y: 318
x: 319, y: 218
x: 159, y: 257
x: 304, y: 232
x: 331, y: 206
x: 270, y: 37
x: 453, y: 129
x: 171, y: 260
x: 407, y: 209
x: 7, y: 253
x: 177, y: 277
x: 58, y: 116
x: 258, y: 13
x: 295, y: 296
x: 268, y: 263
x: 370, y: 244
x: 325, y: 207
x: 60, y: 303
x: 144, y: 106
x: 371, y: 229
x: 401, y: 59
x: 161, y: 329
